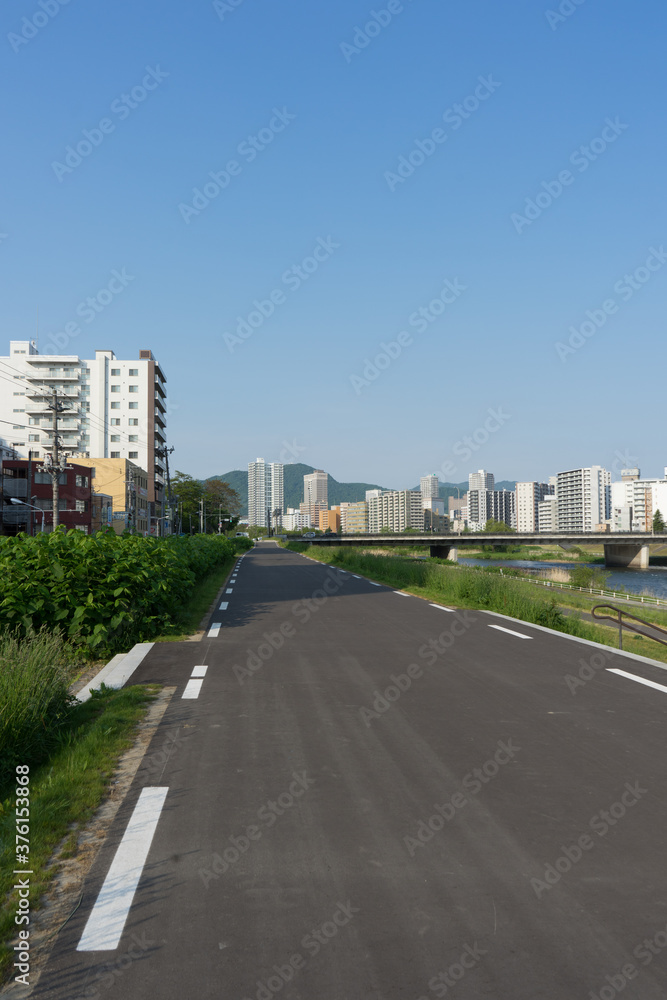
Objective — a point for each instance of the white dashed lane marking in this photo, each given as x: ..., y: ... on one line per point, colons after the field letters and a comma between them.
x: 640, y: 680
x: 441, y: 607
x: 214, y: 630
x: 192, y: 688
x: 511, y: 631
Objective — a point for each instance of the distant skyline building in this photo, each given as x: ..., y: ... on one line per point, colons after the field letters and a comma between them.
x: 528, y: 498
x: 265, y: 492
x: 583, y: 498
x: 636, y: 501
x: 395, y: 510
x: 429, y: 487
x: 481, y: 480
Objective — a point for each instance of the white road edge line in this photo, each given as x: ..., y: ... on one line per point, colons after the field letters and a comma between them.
x: 402, y: 593
x: 640, y: 680
x: 374, y: 584
x: 214, y: 629
x: 105, y: 924
x: 511, y: 631
x: 199, y: 670
x: 356, y: 577
x: 441, y: 607
x: 192, y: 688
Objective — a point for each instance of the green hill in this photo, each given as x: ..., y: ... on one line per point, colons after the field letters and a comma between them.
x: 293, y: 481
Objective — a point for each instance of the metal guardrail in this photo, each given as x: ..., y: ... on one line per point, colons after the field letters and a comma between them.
x: 619, y: 619
x: 640, y: 598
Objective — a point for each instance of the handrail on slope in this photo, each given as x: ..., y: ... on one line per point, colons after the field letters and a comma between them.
x: 620, y: 614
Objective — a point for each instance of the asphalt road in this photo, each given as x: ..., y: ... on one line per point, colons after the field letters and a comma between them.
x: 373, y: 798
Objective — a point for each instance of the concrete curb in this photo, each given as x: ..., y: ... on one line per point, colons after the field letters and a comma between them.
x: 117, y: 671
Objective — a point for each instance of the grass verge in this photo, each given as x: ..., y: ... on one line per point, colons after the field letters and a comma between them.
x: 64, y: 794
x: 484, y: 589
x: 200, y: 601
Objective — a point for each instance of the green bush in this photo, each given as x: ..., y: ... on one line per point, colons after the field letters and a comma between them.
x: 104, y: 591
x: 34, y: 699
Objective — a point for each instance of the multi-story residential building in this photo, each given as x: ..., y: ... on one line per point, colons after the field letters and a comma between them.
x: 108, y: 408
x: 27, y: 481
x: 642, y: 497
x: 483, y: 505
x: 128, y: 485
x: 528, y: 496
x: 395, y: 510
x: 583, y: 498
x: 429, y: 487
x: 265, y: 492
x: 315, y: 495
x: 294, y: 520
x: 356, y: 518
x: 330, y: 520
x: 481, y: 480
x: 547, y: 513
x: 372, y: 494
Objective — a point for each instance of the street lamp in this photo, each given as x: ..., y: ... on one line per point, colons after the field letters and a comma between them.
x: 32, y: 507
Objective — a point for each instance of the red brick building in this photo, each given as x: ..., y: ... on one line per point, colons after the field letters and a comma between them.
x: 28, y: 482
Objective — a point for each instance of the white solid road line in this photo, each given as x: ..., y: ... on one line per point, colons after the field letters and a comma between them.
x: 224, y: 605
x: 192, y: 688
x: 402, y: 593
x: 640, y: 680
x: 214, y: 629
x: 441, y: 607
x: 199, y: 670
x: 511, y: 631
x: 107, y: 918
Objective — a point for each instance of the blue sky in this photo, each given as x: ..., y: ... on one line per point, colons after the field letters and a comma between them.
x: 333, y: 123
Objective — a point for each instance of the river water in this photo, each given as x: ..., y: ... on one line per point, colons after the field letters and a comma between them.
x: 636, y: 581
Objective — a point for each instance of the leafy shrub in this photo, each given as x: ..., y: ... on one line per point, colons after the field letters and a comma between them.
x: 105, y: 591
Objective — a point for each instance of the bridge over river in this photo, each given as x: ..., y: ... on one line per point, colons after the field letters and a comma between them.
x: 621, y: 549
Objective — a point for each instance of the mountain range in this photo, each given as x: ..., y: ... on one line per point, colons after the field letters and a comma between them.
x: 338, y: 492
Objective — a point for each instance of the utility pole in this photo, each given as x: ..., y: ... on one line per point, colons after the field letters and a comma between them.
x: 56, y: 464
x: 132, y: 504
x: 165, y: 453
x: 201, y: 515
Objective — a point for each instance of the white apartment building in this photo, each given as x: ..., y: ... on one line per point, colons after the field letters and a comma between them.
x: 486, y: 504
x: 528, y: 496
x: 547, y: 513
x: 642, y: 498
x: 395, y: 510
x: 315, y: 496
x: 294, y: 520
x: 112, y: 408
x: 429, y: 487
x: 265, y: 492
x: 583, y: 498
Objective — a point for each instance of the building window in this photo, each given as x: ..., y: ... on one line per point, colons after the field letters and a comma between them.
x: 35, y: 421
x: 115, y: 454
x: 115, y: 388
x: 18, y: 394
x: 133, y: 388
x: 115, y: 421
x: 115, y: 406
x: 133, y: 422
x: 18, y: 411
x: 133, y: 437
x: 17, y: 427
x: 82, y: 481
x: 133, y: 406
x: 134, y: 454
x: 115, y: 437
x: 115, y: 371
x: 82, y: 506
x: 33, y: 437
x: 133, y: 373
